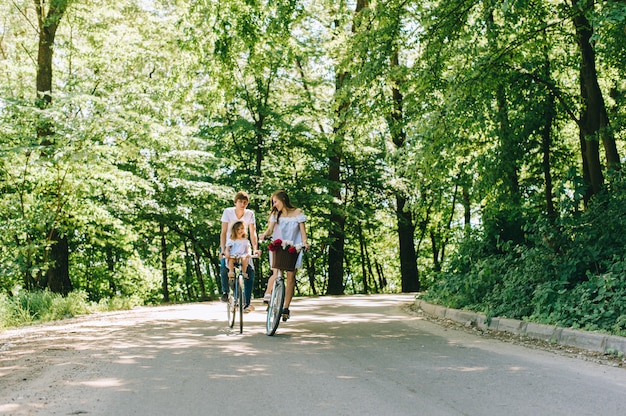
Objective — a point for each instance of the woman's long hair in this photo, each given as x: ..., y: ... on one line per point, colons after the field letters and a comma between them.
x: 284, y: 198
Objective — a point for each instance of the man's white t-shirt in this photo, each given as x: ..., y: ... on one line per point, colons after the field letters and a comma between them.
x: 230, y: 217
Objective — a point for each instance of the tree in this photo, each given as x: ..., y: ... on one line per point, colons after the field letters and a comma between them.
x: 337, y: 217
x: 406, y: 226
x: 57, y: 276
x: 594, y: 123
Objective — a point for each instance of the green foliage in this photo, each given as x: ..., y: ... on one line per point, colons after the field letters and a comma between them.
x: 163, y: 110
x: 571, y: 273
x: 28, y: 307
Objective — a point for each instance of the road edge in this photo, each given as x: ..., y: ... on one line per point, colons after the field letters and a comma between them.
x: 592, y: 341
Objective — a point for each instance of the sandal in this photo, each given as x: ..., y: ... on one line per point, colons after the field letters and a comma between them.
x: 286, y: 314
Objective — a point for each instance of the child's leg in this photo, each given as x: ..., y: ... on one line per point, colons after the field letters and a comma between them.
x: 231, y: 268
x: 244, y: 267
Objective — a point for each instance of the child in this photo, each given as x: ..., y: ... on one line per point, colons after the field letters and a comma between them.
x: 237, y: 245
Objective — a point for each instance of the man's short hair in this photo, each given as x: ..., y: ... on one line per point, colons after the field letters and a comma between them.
x: 241, y: 195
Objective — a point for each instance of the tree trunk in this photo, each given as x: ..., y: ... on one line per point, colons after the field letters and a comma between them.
x: 467, y: 209
x: 594, y: 123
x: 363, y: 260
x: 57, y: 277
x: 165, y: 286
x: 311, y: 273
x: 111, y: 260
x: 404, y: 217
x: 198, y: 270
x: 337, y: 243
x: 435, y: 252
x: 508, y: 168
x: 408, y: 258
x: 336, y: 233
x: 546, y: 145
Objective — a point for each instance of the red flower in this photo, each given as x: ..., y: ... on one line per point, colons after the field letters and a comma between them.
x: 292, y: 249
x: 275, y: 245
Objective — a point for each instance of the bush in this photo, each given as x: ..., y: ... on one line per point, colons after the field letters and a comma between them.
x: 570, y: 273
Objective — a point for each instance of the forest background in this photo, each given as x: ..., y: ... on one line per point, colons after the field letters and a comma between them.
x: 470, y: 150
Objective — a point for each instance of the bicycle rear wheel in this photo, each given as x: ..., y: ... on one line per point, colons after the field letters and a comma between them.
x: 240, y: 301
x: 275, y: 308
x: 230, y: 305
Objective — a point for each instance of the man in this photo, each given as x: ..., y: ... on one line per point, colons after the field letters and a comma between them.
x: 231, y: 215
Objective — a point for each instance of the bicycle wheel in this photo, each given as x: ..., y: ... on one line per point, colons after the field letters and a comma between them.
x: 240, y: 301
x: 275, y: 308
x: 230, y: 305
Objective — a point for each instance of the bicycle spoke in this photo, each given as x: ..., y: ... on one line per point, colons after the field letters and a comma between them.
x: 274, y: 312
x: 241, y: 300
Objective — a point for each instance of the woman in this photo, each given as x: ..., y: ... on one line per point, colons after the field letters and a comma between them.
x: 287, y: 223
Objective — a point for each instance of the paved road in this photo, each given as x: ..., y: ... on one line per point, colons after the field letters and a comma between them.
x: 358, y: 355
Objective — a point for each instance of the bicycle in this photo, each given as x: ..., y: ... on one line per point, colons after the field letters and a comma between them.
x: 283, y: 261
x: 236, y: 298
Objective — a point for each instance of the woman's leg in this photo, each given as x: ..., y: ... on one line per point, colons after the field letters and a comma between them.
x: 270, y: 282
x: 290, y: 288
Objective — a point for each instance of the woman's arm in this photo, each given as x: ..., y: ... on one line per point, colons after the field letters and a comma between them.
x: 303, y: 233
x: 270, y: 229
x: 253, y: 238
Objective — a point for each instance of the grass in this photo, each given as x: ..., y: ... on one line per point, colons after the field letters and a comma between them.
x: 27, y: 308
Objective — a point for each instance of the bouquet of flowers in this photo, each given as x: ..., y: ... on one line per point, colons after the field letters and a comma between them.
x: 286, y: 245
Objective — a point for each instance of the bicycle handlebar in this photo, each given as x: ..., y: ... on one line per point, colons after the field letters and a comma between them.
x: 238, y: 256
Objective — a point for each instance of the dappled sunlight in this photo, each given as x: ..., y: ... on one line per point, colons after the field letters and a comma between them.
x: 464, y: 369
x: 239, y: 349
x: 4, y: 408
x: 101, y: 383
x: 252, y: 369
x: 143, y: 342
x: 226, y: 376
x: 316, y: 339
x: 361, y: 343
x: 179, y: 343
x: 127, y: 359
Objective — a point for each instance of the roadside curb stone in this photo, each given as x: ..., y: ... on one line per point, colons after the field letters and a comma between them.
x: 592, y: 341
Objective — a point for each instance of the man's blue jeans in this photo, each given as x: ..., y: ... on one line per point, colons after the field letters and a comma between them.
x: 248, y: 283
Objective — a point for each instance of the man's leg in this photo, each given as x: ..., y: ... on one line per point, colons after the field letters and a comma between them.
x: 224, y: 279
x: 248, y: 284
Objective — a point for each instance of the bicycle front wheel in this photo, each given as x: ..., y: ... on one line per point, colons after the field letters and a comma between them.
x: 240, y: 301
x: 275, y: 308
